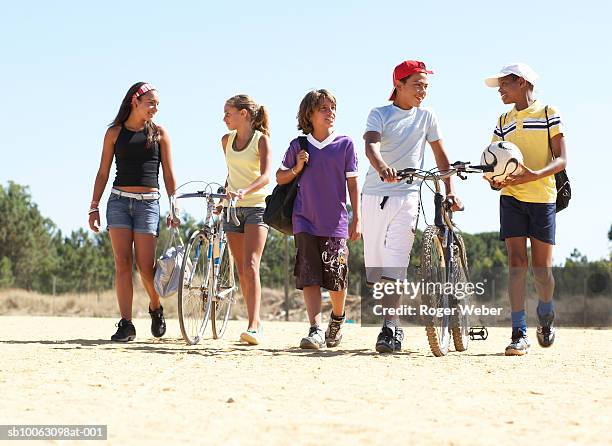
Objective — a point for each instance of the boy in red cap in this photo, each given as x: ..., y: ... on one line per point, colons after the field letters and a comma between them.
x: 395, y: 139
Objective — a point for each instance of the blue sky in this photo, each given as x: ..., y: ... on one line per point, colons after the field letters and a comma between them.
x: 65, y: 67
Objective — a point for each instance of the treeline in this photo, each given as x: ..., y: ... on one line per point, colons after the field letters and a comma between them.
x: 36, y: 255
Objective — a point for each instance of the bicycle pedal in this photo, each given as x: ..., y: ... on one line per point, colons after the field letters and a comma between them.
x: 478, y: 333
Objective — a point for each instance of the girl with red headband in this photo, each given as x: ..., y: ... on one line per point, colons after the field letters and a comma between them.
x: 138, y: 146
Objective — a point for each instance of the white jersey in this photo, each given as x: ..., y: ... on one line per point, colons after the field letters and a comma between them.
x: 404, y: 134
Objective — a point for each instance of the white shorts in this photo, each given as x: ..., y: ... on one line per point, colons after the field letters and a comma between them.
x: 388, y: 235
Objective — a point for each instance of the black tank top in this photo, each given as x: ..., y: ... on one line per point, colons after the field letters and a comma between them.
x: 137, y: 165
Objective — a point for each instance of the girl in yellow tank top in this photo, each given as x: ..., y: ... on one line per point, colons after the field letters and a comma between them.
x: 248, y: 159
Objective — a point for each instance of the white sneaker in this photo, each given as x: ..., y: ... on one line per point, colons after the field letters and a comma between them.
x: 251, y: 336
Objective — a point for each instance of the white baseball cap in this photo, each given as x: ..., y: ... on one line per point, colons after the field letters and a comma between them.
x: 520, y: 69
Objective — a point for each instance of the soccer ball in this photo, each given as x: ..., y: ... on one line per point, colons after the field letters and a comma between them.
x: 504, y: 157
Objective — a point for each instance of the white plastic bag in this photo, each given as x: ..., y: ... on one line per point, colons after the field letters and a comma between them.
x: 168, y: 266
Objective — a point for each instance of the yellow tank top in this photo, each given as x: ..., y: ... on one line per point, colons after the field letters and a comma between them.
x: 243, y: 169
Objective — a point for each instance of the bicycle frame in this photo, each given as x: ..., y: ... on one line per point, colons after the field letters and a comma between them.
x: 453, y: 262
x: 214, y: 229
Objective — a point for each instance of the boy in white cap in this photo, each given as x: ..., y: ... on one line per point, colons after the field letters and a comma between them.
x: 395, y: 138
x: 527, y: 202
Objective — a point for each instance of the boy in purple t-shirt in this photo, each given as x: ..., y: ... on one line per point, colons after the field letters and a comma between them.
x: 320, y: 218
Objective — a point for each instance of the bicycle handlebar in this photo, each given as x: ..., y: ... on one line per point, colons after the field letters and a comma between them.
x: 231, y: 207
x: 457, y: 168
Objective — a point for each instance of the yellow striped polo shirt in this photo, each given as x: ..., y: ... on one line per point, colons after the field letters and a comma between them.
x: 528, y: 130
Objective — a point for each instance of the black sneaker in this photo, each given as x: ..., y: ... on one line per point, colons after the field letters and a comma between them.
x: 158, y: 323
x: 333, y: 335
x: 397, y: 339
x: 546, y: 330
x: 519, y: 345
x: 125, y: 331
x: 385, y: 343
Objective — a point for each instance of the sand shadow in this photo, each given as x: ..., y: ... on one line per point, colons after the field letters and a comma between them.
x: 169, y: 346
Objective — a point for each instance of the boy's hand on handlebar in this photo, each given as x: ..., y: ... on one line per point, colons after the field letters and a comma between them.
x: 388, y: 174
x: 454, y: 202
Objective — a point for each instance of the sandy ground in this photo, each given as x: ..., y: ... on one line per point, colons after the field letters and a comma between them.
x: 64, y: 371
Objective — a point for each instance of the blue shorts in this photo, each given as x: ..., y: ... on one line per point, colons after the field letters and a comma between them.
x: 130, y: 213
x: 246, y: 216
x: 522, y: 219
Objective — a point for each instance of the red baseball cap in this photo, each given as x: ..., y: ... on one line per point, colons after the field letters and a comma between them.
x: 406, y: 68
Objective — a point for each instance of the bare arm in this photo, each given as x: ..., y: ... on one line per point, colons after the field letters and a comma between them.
x: 372, y: 149
x: 355, y: 225
x: 442, y: 162
x: 168, y: 171
x: 166, y: 157
x: 526, y: 175
x: 102, y: 176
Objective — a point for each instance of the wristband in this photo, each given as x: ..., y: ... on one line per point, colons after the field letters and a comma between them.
x: 93, y: 210
x: 294, y: 172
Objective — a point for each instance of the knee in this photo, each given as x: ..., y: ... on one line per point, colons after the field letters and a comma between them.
x: 518, y: 261
x: 123, y: 264
x: 543, y: 276
x: 251, y: 267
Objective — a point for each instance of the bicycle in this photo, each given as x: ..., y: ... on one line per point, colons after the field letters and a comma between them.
x: 207, y: 272
x: 443, y: 261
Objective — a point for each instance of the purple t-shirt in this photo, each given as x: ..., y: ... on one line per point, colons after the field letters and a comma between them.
x: 320, y: 205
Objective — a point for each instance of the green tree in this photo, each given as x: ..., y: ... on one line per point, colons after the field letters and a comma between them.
x: 6, y: 273
x: 26, y: 239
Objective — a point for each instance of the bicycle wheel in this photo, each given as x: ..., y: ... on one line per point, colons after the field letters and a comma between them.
x: 433, y: 270
x: 460, y: 322
x: 225, y: 289
x: 193, y: 302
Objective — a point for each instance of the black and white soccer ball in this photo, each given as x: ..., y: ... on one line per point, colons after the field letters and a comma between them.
x: 505, y: 158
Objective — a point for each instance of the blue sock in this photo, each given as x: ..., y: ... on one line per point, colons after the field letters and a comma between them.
x: 545, y: 308
x: 519, y: 320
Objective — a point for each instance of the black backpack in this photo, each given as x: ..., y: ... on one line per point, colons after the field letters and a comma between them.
x: 279, y: 205
x: 564, y: 191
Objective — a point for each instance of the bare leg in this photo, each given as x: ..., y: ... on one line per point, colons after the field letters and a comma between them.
x: 121, y: 240
x: 144, y: 245
x: 236, y: 244
x: 541, y: 261
x: 312, y: 299
x: 338, y: 298
x: 517, y: 270
x: 254, y: 242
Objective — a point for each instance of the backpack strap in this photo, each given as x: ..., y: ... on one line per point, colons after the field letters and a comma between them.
x: 548, y: 131
x: 303, y: 143
x: 501, y: 125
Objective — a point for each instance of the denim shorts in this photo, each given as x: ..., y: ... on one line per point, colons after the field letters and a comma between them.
x: 130, y: 213
x: 522, y: 219
x: 246, y: 216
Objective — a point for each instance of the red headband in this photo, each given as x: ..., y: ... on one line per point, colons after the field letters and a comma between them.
x: 144, y: 88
